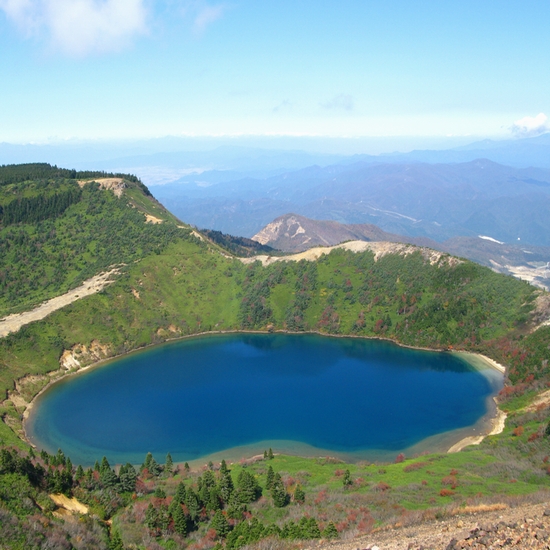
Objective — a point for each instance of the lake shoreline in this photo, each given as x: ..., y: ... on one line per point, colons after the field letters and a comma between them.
x: 102, y: 362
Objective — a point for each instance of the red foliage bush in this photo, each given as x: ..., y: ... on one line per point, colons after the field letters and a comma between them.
x: 424, y: 482
x: 414, y: 466
x: 399, y: 458
x: 518, y: 431
x: 381, y: 487
x: 449, y: 480
x: 321, y: 497
x: 446, y: 493
x: 533, y: 436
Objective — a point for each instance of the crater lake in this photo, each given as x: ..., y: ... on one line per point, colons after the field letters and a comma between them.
x: 234, y: 395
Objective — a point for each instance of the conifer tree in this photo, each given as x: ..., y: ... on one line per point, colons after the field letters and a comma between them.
x: 169, y: 465
x: 214, y: 500
x: 311, y: 529
x: 270, y: 478
x: 159, y: 493
x: 299, y: 495
x: 115, y: 543
x: 104, y: 465
x: 226, y: 486
x: 180, y: 493
x: 192, y: 503
x: 347, y: 481
x: 247, y: 487
x: 127, y: 478
x: 270, y: 454
x: 180, y: 523
x: 330, y: 531
x: 278, y: 493
x: 220, y: 524
x: 151, y: 517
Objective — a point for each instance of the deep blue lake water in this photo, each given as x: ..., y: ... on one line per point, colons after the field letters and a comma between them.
x: 305, y: 394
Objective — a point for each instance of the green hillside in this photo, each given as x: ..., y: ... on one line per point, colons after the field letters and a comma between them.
x: 59, y: 228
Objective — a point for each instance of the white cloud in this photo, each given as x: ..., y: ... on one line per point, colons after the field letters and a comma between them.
x: 79, y: 27
x: 203, y: 14
x: 531, y: 126
x: 206, y: 16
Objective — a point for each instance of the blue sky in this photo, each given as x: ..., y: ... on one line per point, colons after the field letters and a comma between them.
x: 143, y: 68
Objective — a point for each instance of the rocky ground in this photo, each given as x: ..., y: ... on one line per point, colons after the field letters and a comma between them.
x: 522, y: 527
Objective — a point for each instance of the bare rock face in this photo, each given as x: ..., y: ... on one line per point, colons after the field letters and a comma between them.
x: 116, y: 185
x: 294, y: 233
x: 81, y: 355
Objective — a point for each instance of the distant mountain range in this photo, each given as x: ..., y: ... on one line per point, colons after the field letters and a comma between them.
x: 294, y: 233
x: 438, y: 201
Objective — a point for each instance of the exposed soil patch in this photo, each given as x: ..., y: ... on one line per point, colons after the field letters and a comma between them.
x: 379, y: 248
x: 116, y: 185
x: 12, y: 323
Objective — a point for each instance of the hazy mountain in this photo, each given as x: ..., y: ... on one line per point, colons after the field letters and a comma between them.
x: 438, y: 201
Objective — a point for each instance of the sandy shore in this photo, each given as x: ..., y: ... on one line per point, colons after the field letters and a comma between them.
x: 498, y: 426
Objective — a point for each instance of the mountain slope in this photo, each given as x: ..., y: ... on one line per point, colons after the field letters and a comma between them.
x: 59, y: 228
x: 294, y: 233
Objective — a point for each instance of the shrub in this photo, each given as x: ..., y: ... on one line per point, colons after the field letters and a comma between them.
x: 446, y: 493
x: 414, y: 466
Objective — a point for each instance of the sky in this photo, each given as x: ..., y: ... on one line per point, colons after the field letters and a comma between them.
x: 126, y: 69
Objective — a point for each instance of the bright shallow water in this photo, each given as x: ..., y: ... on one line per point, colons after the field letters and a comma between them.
x: 298, y: 393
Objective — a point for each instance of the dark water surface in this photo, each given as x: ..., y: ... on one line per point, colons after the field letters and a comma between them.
x: 205, y: 395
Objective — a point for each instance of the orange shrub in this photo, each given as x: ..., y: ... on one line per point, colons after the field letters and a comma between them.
x: 449, y: 480
x: 446, y: 493
x: 414, y: 466
x: 518, y: 431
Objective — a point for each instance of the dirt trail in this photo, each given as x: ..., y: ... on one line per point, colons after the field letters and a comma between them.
x: 12, y: 323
